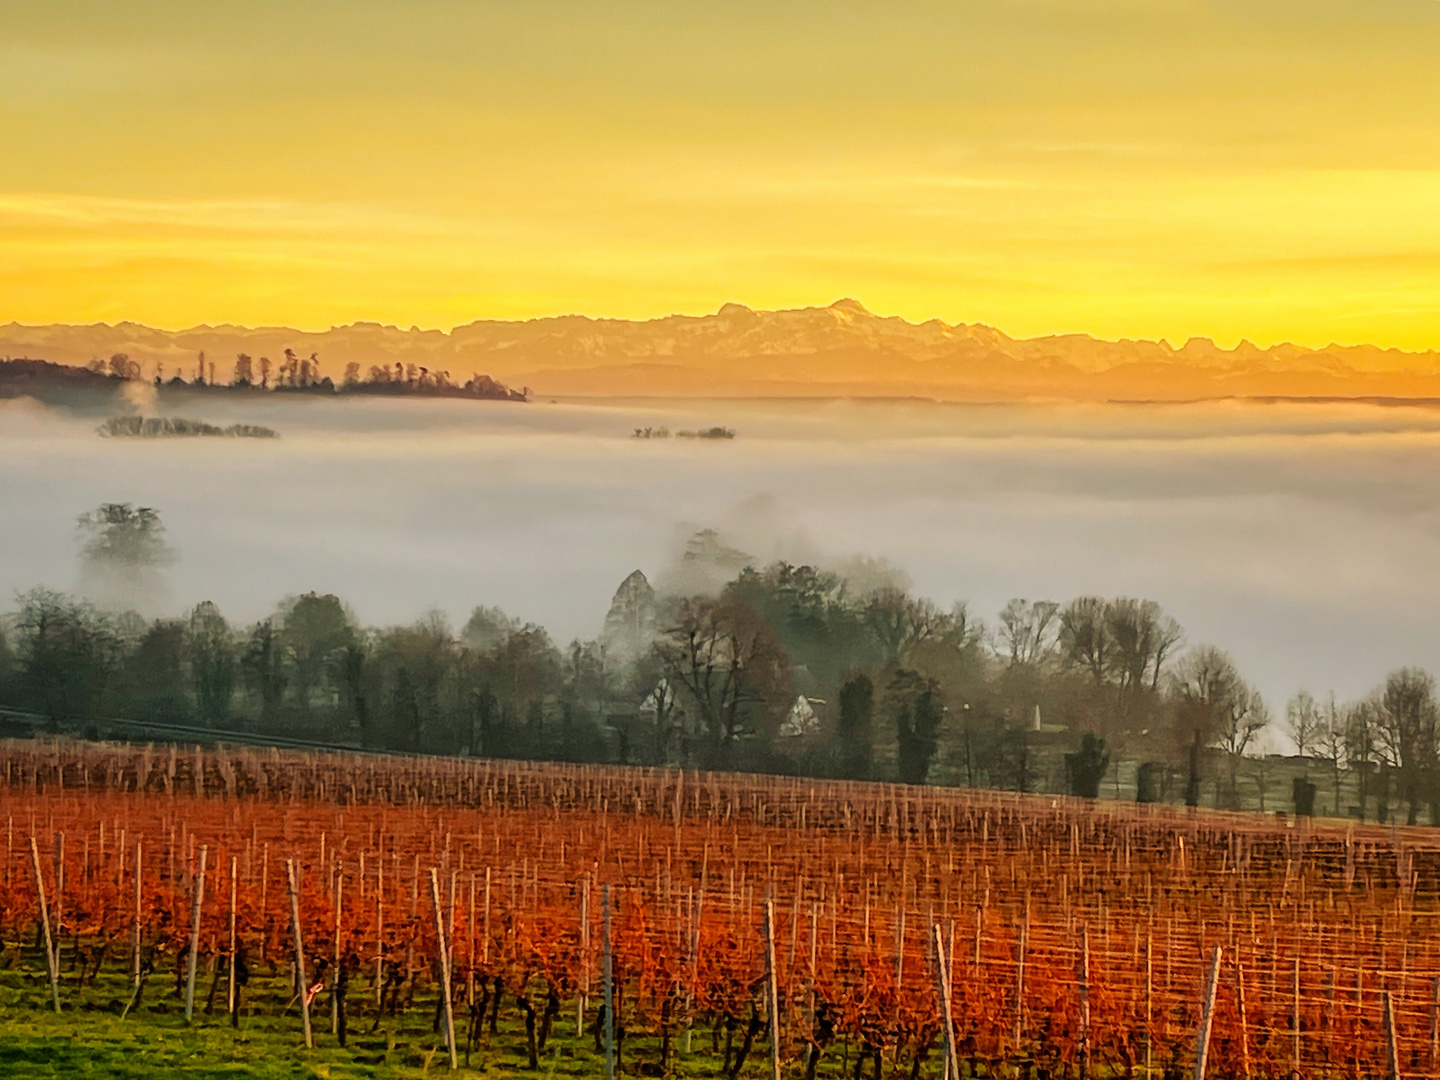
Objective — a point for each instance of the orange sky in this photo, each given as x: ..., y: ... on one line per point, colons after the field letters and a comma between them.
x: 1138, y: 168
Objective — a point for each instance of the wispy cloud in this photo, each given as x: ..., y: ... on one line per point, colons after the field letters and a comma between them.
x: 236, y: 215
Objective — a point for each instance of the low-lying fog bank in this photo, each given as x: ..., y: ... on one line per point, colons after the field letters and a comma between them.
x: 1302, y: 538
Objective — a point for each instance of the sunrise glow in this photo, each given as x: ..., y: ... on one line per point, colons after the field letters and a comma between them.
x: 1118, y: 167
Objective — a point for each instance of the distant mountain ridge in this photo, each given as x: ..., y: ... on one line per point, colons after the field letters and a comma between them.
x: 839, y: 350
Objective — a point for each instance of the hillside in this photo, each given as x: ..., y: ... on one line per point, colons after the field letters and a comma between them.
x: 842, y: 349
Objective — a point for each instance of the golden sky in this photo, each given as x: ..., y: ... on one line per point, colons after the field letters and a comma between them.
x: 1142, y: 168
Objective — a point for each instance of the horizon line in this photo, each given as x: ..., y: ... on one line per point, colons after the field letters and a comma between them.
x: 845, y: 303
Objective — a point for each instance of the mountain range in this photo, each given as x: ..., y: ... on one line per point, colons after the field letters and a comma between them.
x: 839, y: 350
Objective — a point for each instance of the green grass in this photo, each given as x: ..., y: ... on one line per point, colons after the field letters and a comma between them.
x: 89, y: 1038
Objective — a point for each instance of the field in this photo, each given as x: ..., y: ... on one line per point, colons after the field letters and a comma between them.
x: 1074, y: 939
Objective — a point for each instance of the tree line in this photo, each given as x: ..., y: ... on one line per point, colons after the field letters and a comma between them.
x: 302, y: 373
x: 771, y: 668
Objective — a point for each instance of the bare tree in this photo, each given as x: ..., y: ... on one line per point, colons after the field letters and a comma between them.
x: 1330, y: 743
x: 1123, y: 641
x: 1140, y: 637
x: 1260, y: 767
x: 1122, y: 646
x: 734, y: 668
x: 900, y: 622
x: 122, y: 367
x: 1407, y: 732
x: 1217, y: 706
x: 1027, y: 631
x: 1303, y: 722
x: 1362, y: 725
x: 1085, y: 636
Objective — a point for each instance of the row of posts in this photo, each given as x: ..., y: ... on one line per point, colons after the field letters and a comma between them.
x: 940, y: 968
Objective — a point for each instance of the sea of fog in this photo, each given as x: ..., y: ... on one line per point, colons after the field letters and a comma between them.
x: 1305, y: 539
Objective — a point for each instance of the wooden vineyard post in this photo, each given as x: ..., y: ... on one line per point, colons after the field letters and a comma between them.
x: 58, y: 909
x: 695, y: 956
x: 379, y: 935
x: 450, y: 921
x: 1084, y: 1002
x: 1359, y: 1003
x: 942, y: 990
x: 442, y: 943
x: 292, y: 884
x: 485, y: 931
x: 584, y: 994
x: 979, y: 928
x: 1149, y: 1003
x: 1244, y: 1027
x: 772, y: 994
x: 135, y: 936
x: 264, y: 901
x: 50, y: 957
x: 1207, y: 1014
x: 607, y: 975
x: 231, y: 1000
x: 195, y: 901
x: 1019, y: 1029
x: 1435, y: 1026
x: 814, y: 958
x: 900, y: 939
x: 1392, y: 1043
x: 470, y: 968
x: 1295, y: 1019
x: 335, y: 964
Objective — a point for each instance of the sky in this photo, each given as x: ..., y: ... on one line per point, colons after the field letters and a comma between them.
x: 1235, y: 169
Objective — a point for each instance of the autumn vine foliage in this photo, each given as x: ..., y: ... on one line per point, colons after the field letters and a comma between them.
x: 1076, y: 936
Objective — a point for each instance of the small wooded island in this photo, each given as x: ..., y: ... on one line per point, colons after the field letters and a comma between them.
x: 177, y: 427
x: 703, y: 433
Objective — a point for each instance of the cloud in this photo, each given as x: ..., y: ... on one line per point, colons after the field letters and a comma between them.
x: 240, y: 215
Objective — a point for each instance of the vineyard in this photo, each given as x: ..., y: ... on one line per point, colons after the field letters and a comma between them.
x: 674, y: 923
